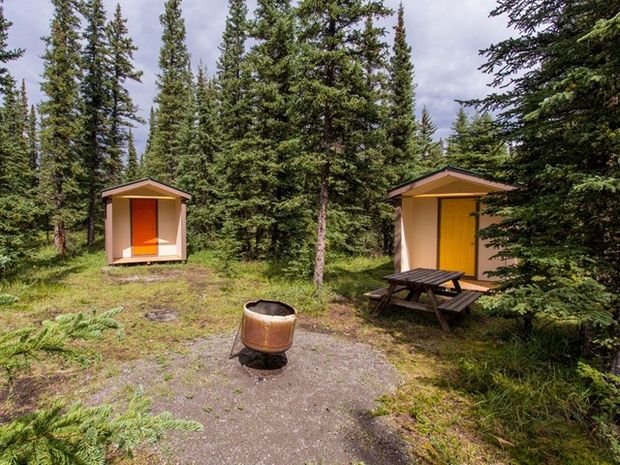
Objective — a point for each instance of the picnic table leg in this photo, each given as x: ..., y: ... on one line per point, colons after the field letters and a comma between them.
x: 440, y: 316
x: 457, y: 286
x: 385, y: 299
x: 414, y: 294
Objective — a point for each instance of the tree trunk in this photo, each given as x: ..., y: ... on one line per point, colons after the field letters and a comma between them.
x: 60, y: 238
x: 319, y: 259
x: 90, y: 234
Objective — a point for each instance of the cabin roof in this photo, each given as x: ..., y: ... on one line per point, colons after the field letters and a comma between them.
x: 453, y: 172
x: 145, y: 182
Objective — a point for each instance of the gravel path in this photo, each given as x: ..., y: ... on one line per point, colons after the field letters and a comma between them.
x: 311, y: 410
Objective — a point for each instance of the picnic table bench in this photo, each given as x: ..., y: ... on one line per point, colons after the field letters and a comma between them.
x: 428, y: 281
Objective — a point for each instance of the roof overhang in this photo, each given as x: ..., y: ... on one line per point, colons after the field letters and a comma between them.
x: 145, y: 188
x: 448, y: 182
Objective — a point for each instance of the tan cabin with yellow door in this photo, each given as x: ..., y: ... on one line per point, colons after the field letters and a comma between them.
x: 436, y: 223
x: 145, y: 221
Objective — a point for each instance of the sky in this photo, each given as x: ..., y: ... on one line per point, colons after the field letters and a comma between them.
x: 445, y: 36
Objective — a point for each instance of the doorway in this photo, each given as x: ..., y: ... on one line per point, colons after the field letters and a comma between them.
x: 143, y: 227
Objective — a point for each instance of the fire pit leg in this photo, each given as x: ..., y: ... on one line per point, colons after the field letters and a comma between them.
x: 232, y: 349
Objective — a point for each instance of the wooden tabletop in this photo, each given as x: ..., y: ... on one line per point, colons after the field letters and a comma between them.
x: 424, y: 276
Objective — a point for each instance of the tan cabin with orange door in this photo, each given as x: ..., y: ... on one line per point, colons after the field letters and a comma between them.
x: 145, y: 221
x: 436, y: 223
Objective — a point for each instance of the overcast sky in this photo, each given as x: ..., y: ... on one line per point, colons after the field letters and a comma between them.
x: 445, y: 35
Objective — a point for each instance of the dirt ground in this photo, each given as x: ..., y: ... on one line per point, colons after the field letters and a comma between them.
x: 310, y: 407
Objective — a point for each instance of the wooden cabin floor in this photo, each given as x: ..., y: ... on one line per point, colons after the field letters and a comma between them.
x: 147, y: 259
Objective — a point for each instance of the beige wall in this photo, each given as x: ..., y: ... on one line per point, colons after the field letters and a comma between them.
x: 419, y: 219
x: 485, y: 262
x: 168, y: 226
x: 121, y: 228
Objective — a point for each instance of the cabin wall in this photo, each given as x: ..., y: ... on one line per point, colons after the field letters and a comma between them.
x: 485, y: 252
x: 121, y: 228
x: 168, y: 226
x: 419, y: 247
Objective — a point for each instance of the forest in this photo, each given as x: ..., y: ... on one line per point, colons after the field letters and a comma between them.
x: 290, y: 145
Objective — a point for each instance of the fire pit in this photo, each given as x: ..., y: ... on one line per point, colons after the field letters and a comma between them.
x: 268, y: 326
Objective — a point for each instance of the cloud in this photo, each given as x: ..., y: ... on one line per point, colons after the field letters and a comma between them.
x: 445, y: 35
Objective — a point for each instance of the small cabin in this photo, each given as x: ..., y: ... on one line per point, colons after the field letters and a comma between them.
x: 145, y: 221
x: 437, y: 220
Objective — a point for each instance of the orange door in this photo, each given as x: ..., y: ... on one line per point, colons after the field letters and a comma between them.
x: 144, y: 227
x: 457, y: 236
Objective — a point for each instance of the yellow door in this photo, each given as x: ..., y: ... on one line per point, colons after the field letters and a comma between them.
x: 457, y: 236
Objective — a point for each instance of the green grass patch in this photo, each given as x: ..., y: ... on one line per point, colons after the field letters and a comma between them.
x: 478, y: 395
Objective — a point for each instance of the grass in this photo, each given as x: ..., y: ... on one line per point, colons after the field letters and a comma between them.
x: 476, y: 396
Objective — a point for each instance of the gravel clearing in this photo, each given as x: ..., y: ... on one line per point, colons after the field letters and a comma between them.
x: 310, y: 407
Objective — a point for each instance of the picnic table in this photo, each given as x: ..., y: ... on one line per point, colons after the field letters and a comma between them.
x: 430, y: 282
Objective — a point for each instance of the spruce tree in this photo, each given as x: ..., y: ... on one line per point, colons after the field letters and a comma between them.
x: 197, y: 168
x: 477, y: 144
x: 232, y: 78
x: 457, y: 141
x: 330, y: 89
x: 561, y: 225
x: 402, y: 125
x: 261, y: 220
x: 123, y: 111
x: 17, y: 209
x: 96, y: 104
x: 149, y: 137
x: 430, y: 151
x: 6, y: 54
x: 371, y: 214
x: 33, y: 143
x: 173, y: 84
x: 132, y: 169
x: 60, y: 122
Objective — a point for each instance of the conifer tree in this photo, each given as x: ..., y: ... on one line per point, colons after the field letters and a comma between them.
x: 149, y: 137
x: 133, y: 165
x: 33, y: 143
x: 330, y: 90
x: 123, y: 111
x: 60, y: 122
x: 173, y: 84
x: 6, y: 54
x: 260, y: 219
x: 477, y: 144
x: 457, y: 141
x: 232, y: 78
x: 430, y: 151
x: 17, y: 209
x: 375, y: 154
x: 402, y: 124
x: 96, y: 104
x: 562, y: 222
x: 188, y: 124
x: 557, y: 98
x: 197, y: 168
